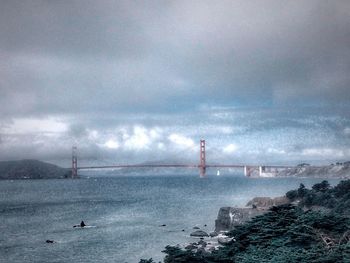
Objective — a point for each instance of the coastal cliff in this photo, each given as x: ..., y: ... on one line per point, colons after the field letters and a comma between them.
x: 339, y: 170
x: 230, y: 217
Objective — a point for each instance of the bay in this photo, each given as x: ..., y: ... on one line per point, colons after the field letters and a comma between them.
x: 127, y: 212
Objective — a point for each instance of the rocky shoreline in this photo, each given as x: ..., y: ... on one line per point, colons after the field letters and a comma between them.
x: 207, y: 243
x: 305, y: 225
x: 229, y: 218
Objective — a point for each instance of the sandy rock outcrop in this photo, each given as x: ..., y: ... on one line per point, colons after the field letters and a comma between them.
x: 230, y: 217
x: 267, y: 202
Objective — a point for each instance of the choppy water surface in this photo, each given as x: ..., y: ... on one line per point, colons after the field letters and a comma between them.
x: 127, y: 213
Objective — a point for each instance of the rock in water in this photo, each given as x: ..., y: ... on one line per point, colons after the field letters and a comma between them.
x: 213, y: 234
x: 224, y: 240
x: 191, y: 246
x: 199, y: 233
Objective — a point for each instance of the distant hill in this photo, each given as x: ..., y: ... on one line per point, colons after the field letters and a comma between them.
x: 339, y: 170
x: 149, y: 170
x: 31, y: 169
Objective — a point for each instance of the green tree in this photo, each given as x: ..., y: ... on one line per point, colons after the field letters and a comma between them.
x: 322, y: 187
x: 302, y: 191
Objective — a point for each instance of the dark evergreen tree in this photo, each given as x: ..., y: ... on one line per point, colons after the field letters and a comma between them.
x: 322, y: 187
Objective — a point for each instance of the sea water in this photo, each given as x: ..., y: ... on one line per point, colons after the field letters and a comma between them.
x: 127, y: 211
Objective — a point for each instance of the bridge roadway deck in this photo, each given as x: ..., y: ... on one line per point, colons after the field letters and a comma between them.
x: 177, y: 166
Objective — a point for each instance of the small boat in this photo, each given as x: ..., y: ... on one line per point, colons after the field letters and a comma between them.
x: 217, y: 173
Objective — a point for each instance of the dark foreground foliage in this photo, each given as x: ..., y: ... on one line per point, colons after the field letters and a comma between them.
x: 287, y: 233
x: 322, y: 194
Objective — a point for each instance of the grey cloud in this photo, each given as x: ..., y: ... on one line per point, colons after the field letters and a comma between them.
x: 266, y: 70
x: 146, y: 54
x: 72, y: 28
x: 262, y: 137
x: 253, y: 53
x: 77, y: 130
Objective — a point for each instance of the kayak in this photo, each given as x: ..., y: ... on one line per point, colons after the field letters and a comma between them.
x: 79, y: 226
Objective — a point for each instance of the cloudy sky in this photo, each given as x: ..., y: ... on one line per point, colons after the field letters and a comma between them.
x: 133, y: 81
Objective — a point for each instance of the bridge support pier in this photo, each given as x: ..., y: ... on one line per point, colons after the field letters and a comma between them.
x: 247, y: 171
x: 202, y: 164
x: 74, y: 162
x: 261, y: 170
x: 253, y: 170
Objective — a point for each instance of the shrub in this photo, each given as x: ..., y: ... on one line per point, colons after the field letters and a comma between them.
x: 322, y: 187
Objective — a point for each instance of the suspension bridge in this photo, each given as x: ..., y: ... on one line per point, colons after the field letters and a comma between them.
x: 249, y: 170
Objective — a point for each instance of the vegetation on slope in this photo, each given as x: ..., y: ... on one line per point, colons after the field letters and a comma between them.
x: 287, y: 233
x: 337, y: 198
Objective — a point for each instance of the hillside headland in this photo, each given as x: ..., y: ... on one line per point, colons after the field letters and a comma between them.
x: 31, y: 169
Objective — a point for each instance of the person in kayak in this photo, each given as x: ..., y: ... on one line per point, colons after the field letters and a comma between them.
x: 82, y: 224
